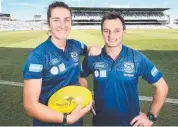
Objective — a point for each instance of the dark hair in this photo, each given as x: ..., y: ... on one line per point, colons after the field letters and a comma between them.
x: 112, y: 15
x: 54, y: 5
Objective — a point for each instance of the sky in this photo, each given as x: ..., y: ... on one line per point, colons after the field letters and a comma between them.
x: 26, y: 9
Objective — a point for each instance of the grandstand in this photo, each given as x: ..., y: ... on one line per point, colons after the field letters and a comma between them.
x: 134, y: 17
x: 22, y: 25
x: 6, y: 23
x: 87, y: 17
x: 5, y: 16
x: 176, y: 21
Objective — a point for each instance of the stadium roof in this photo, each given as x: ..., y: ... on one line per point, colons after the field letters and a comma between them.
x: 3, y: 14
x: 120, y: 9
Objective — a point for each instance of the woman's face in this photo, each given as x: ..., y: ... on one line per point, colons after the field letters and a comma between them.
x: 60, y: 23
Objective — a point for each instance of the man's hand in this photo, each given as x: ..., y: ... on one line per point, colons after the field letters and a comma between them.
x: 141, y: 120
x: 94, y: 51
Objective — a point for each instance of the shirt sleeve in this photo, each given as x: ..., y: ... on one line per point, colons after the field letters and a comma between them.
x: 148, y: 71
x: 83, y: 48
x: 33, y: 67
x: 85, y: 70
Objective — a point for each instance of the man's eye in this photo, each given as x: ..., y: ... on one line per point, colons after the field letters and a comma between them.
x: 56, y: 20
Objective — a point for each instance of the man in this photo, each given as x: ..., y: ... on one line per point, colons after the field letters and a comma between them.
x: 116, y: 72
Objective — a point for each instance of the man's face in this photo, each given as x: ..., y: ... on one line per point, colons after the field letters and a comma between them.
x: 113, y: 32
x: 60, y: 23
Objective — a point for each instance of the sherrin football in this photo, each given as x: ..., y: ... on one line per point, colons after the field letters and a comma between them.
x: 66, y: 99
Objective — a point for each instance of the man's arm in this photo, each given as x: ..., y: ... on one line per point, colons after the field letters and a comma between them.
x: 161, y: 91
x: 40, y: 111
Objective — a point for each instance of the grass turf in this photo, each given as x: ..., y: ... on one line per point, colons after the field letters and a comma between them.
x: 160, y: 46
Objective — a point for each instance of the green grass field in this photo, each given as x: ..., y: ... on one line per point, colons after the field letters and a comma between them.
x: 160, y: 46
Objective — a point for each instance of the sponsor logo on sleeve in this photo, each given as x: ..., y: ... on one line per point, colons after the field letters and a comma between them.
x: 154, y: 71
x: 36, y: 67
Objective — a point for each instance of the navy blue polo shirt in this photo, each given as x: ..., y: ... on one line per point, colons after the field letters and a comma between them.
x: 116, y: 84
x: 56, y: 67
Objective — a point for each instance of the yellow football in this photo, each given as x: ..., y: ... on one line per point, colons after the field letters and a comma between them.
x: 66, y: 99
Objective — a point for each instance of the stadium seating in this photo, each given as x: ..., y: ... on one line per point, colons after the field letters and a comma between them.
x: 22, y: 25
x: 134, y: 18
x: 90, y: 18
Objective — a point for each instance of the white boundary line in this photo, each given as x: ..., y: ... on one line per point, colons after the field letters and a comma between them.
x: 142, y: 98
x: 11, y: 83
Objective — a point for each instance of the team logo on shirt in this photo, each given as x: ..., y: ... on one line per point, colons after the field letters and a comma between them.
x: 129, y: 67
x: 100, y: 65
x: 74, y: 56
x: 54, y: 70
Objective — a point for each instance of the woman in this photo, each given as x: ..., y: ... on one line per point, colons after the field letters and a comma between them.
x: 52, y: 65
